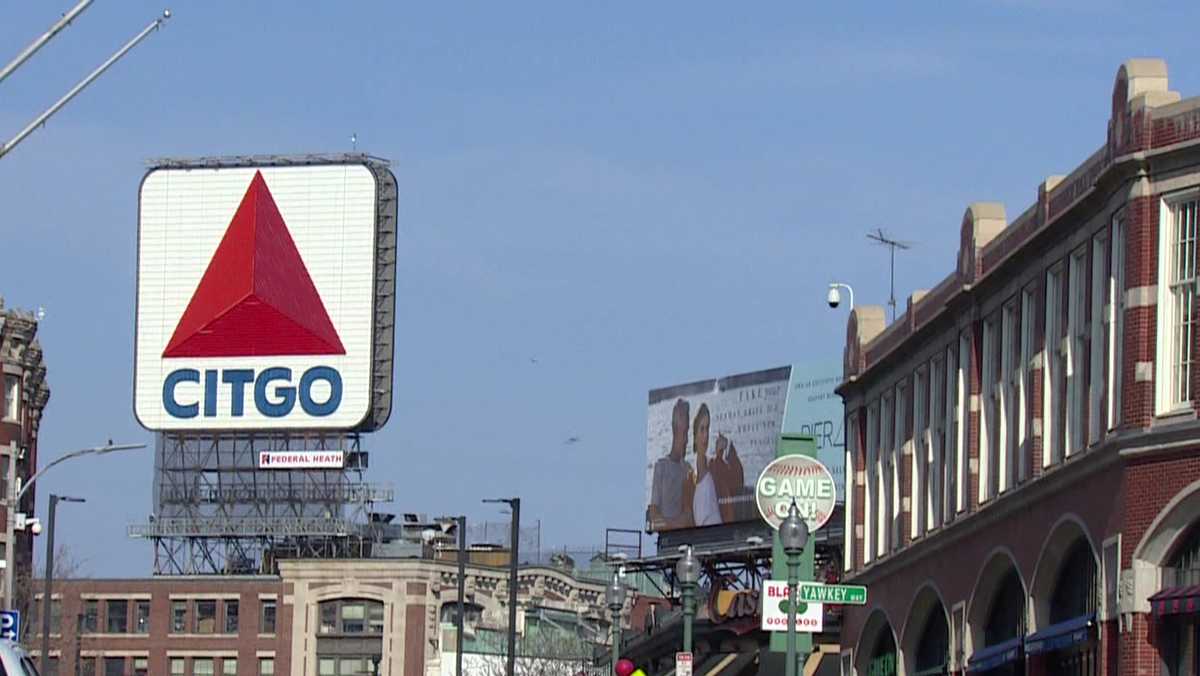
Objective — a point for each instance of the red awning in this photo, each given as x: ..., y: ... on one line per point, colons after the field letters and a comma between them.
x: 1176, y: 600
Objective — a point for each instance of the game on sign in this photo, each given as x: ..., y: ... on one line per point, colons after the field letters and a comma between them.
x: 834, y: 594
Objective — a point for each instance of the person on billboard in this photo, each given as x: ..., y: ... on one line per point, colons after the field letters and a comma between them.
x: 673, y: 482
x: 705, y: 507
x: 730, y: 477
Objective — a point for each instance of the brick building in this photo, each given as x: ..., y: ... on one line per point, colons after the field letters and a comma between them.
x: 1024, y: 445
x: 24, y: 397
x: 320, y: 618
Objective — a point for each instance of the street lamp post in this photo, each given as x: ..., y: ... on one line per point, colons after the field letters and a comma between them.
x: 793, y: 534
x: 687, y: 570
x: 614, y: 595
x: 14, y: 501
x: 54, y: 500
x: 515, y: 505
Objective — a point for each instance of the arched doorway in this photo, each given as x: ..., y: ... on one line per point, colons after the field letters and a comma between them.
x: 998, y: 647
x: 876, y: 652
x: 1067, y: 643
x: 1178, y: 609
x: 933, y: 646
x: 925, y: 645
x: 883, y: 656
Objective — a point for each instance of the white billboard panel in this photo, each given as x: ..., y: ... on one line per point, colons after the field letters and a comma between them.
x: 255, y: 297
x: 301, y: 459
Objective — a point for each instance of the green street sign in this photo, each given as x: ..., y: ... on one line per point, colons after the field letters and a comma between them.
x: 833, y: 594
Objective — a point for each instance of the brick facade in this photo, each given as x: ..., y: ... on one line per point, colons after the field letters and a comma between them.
x: 1136, y: 482
x: 414, y: 640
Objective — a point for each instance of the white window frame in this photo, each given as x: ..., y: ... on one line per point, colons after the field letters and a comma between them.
x: 1176, y: 290
x: 953, y: 401
x: 1052, y: 363
x: 1077, y: 335
x: 919, y: 485
x: 1025, y: 381
x: 1008, y: 378
x: 900, y: 410
x: 987, y: 421
x: 962, y: 468
x: 852, y: 445
x: 12, y: 397
x: 870, y: 503
x: 883, y: 524
x: 1116, y: 318
x: 1099, y: 345
x: 937, y: 440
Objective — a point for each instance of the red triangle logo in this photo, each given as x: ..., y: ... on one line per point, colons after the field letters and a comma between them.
x: 255, y: 298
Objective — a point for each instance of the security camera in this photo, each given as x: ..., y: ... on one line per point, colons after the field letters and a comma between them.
x: 834, y: 296
x: 36, y: 528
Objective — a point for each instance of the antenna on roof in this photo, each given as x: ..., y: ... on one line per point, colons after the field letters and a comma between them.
x: 880, y: 237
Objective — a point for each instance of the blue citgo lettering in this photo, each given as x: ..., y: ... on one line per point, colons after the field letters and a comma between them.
x: 237, y: 379
x: 331, y: 404
x: 174, y: 408
x: 210, y: 393
x: 274, y: 409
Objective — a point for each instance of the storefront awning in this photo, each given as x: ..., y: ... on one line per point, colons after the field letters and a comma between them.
x: 995, y: 656
x: 1060, y: 635
x: 1176, y: 600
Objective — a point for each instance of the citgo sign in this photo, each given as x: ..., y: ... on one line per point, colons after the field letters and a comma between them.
x: 799, y: 479
x: 258, y: 290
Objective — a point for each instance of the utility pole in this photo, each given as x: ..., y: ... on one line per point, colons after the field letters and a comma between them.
x: 880, y: 237
x: 46, y: 596
x: 514, y: 554
x: 462, y: 591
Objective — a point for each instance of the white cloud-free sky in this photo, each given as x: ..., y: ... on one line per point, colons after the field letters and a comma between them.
x: 633, y: 194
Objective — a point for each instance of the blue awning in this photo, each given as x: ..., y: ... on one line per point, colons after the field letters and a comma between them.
x: 995, y: 655
x: 1060, y: 635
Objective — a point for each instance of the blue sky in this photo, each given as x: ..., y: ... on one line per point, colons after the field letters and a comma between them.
x: 634, y: 194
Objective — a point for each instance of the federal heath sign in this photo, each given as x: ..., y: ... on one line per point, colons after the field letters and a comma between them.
x: 797, y: 478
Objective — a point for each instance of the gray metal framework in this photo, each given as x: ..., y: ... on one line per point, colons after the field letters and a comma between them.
x: 216, y: 512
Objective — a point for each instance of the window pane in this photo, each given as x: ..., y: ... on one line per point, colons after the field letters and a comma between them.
x: 178, y: 617
x: 52, y: 668
x: 328, y: 617
x: 141, y: 666
x: 176, y: 666
x: 117, y: 617
x: 267, y: 616
x: 55, y: 616
x: 229, y: 666
x: 206, y: 617
x: 326, y: 667
x: 202, y: 666
x: 266, y: 666
x: 12, y: 397
x: 142, y: 617
x: 114, y: 666
x: 91, y: 616
x: 87, y: 666
x: 231, y: 617
x: 374, y: 617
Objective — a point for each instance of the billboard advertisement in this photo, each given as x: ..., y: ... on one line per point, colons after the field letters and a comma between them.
x: 707, y: 441
x: 257, y: 297
x: 301, y: 459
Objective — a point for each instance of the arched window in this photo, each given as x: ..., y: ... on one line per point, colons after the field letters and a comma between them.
x: 933, y: 649
x: 1076, y: 591
x: 883, y: 655
x: 340, y: 617
x: 1006, y: 617
x: 472, y: 613
x: 1185, y: 561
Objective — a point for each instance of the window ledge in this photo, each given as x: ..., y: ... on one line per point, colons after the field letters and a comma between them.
x: 1173, y: 417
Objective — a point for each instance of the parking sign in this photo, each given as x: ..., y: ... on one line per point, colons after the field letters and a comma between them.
x: 10, y: 624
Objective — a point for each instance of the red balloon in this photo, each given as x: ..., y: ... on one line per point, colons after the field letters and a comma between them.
x: 624, y: 667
